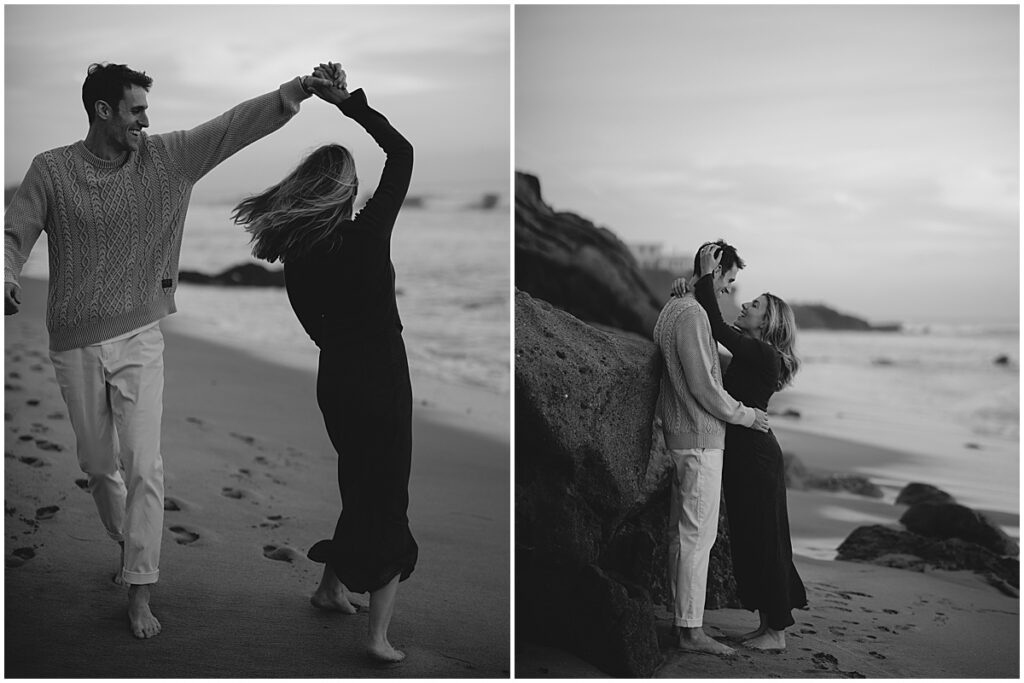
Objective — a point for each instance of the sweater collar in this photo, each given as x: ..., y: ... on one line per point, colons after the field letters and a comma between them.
x: 96, y: 161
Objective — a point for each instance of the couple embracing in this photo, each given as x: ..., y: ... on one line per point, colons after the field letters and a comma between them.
x: 718, y: 436
x: 113, y: 206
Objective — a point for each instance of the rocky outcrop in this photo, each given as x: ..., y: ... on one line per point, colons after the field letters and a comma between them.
x: 592, y: 492
x: 585, y: 270
x: 949, y: 520
x: 902, y: 549
x: 916, y: 492
x: 798, y: 477
x: 245, y: 275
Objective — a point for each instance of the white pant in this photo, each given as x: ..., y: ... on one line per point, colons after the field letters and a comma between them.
x: 696, y: 499
x: 114, y: 394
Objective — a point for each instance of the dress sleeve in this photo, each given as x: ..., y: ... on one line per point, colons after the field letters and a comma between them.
x: 724, y: 333
x: 379, y: 213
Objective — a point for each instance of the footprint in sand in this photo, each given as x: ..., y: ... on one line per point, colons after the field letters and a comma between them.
x: 45, y: 445
x: 55, y: 416
x: 32, y: 402
x: 890, y: 611
x: 183, y: 536
x: 194, y: 420
x: 25, y: 437
x: 229, y: 492
x: 876, y: 655
x: 32, y: 462
x: 281, y: 553
x: 47, y: 512
x: 14, y: 375
x: 272, y: 522
x: 82, y: 484
x: 244, y: 438
x: 171, y: 505
x: 36, y: 368
x: 11, y: 387
x: 19, y: 557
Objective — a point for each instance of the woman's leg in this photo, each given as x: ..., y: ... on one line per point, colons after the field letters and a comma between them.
x: 332, y: 595
x: 382, y: 606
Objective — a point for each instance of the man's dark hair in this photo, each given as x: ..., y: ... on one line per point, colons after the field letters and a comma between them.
x: 108, y: 82
x: 729, y: 257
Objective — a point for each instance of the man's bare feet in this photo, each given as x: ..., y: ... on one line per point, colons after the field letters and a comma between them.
x: 384, y: 653
x: 140, y: 618
x: 118, y: 577
x: 770, y: 640
x: 695, y: 640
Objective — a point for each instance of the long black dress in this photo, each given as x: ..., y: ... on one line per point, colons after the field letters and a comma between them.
x: 344, y: 297
x: 754, y: 478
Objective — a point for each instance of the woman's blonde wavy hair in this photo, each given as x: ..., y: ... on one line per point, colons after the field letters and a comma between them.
x: 779, y: 331
x: 302, y: 212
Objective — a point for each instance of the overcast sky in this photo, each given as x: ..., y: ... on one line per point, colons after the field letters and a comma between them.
x: 864, y: 156
x: 439, y: 73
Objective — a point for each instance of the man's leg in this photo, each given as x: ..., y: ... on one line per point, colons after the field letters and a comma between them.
x: 82, y: 382
x: 696, y: 497
x: 136, y: 377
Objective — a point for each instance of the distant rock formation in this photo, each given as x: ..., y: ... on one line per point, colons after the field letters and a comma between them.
x: 799, y: 478
x: 821, y: 317
x: 916, y: 492
x: 938, y: 533
x: 245, y: 275
x: 585, y: 270
x: 592, y: 492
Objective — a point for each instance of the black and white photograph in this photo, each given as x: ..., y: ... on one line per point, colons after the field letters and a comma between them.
x: 766, y: 354
x: 257, y: 341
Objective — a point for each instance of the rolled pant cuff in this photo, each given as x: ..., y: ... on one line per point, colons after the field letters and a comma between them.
x: 689, y: 623
x: 139, y: 578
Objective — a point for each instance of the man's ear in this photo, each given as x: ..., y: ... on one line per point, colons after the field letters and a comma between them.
x: 103, y: 110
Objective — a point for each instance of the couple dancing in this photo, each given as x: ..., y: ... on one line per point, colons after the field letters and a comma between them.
x: 718, y: 436
x: 113, y: 206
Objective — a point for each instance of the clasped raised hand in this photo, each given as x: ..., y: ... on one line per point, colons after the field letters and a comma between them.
x: 329, y: 83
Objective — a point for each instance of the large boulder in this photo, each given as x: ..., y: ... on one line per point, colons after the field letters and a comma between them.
x: 949, y: 520
x: 916, y: 492
x: 583, y: 269
x: 592, y: 492
x: 800, y: 478
x: 902, y: 549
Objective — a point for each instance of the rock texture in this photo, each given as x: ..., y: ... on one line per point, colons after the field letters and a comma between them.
x: 569, y: 262
x: 949, y: 520
x: 916, y: 492
x: 902, y: 549
x: 591, y: 492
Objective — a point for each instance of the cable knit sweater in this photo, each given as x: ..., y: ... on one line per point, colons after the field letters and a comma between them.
x: 693, y: 406
x: 114, y: 227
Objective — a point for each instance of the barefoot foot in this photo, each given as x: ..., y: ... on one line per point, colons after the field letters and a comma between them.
x: 753, y: 634
x: 333, y: 601
x: 118, y: 577
x: 140, y: 618
x: 695, y: 640
x: 384, y: 653
x: 769, y: 641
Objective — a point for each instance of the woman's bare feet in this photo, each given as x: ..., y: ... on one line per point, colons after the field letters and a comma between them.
x: 140, y: 618
x: 695, y: 640
x: 385, y: 653
x: 770, y: 640
x: 332, y: 595
x: 760, y: 631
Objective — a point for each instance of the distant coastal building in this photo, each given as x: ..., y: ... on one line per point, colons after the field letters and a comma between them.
x: 650, y: 255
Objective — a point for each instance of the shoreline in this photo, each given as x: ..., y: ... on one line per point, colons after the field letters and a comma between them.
x: 250, y: 481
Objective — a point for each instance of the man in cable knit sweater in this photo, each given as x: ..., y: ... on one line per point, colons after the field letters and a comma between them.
x: 113, y: 206
x: 694, y: 409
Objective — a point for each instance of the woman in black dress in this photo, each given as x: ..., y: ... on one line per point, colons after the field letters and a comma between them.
x: 341, y: 285
x: 763, y: 362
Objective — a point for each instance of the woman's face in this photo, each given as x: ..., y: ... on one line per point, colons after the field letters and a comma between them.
x: 751, y: 316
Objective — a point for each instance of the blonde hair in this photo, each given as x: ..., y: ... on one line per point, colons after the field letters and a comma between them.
x: 779, y: 332
x: 302, y: 212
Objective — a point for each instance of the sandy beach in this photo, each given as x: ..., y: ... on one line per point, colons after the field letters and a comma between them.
x: 250, y: 485
x: 863, y: 620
